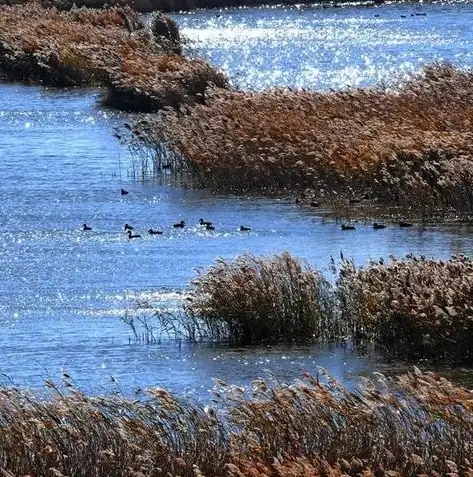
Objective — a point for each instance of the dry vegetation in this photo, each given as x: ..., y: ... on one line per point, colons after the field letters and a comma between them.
x: 110, y: 47
x: 262, y: 300
x: 418, y: 424
x: 414, y: 307
x: 411, y: 147
x: 419, y: 307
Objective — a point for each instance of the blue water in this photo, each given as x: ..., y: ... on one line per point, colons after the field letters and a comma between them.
x: 322, y: 48
x: 64, y: 292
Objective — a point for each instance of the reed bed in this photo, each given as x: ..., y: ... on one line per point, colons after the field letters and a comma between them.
x: 416, y: 306
x: 413, y: 307
x: 142, y: 71
x: 417, y: 424
x: 411, y: 146
x: 71, y: 434
x: 262, y: 300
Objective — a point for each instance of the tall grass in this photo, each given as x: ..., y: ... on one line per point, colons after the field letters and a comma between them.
x: 411, y: 146
x: 418, y: 424
x: 262, y: 300
x: 141, y: 70
x: 415, y: 307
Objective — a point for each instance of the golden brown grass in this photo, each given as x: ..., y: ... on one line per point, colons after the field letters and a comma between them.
x: 262, y: 300
x: 397, y: 146
x: 412, y: 307
x: 100, y: 47
x: 415, y: 307
x: 417, y: 424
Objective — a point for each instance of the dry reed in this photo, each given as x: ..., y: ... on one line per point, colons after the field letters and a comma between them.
x: 101, y: 47
x: 415, y: 307
x: 262, y: 300
x: 417, y: 424
x: 411, y: 146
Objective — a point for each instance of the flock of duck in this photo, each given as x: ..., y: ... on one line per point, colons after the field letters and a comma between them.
x: 209, y: 226
x: 179, y: 225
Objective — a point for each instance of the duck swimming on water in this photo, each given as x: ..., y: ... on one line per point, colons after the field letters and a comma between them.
x: 129, y: 227
x: 204, y: 222
x: 377, y: 226
x: 154, y: 232
x: 244, y: 229
x: 123, y: 192
x: 179, y: 225
x: 347, y: 227
x: 131, y: 235
x: 86, y: 227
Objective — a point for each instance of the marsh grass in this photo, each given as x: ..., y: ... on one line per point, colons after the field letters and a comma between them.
x: 417, y: 424
x: 112, y: 48
x: 410, y: 147
x: 416, y: 307
x: 262, y: 300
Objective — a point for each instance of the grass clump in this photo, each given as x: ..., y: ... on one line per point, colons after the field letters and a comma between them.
x: 417, y: 424
x: 411, y: 146
x: 110, y: 47
x: 262, y: 300
x: 416, y: 307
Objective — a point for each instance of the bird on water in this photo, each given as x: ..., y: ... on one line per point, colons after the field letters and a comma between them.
x: 154, y: 232
x: 179, y: 225
x: 124, y: 192
x: 377, y: 226
x: 131, y: 235
x: 204, y: 222
x: 129, y: 227
x: 244, y: 229
x: 347, y: 227
x: 86, y: 227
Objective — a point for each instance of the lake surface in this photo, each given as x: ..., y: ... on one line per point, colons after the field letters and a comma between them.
x: 323, y: 48
x: 64, y: 292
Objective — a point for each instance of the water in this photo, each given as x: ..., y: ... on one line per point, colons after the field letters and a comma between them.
x: 64, y: 291
x: 326, y: 48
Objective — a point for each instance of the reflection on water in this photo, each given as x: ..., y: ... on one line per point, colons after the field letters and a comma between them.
x: 322, y: 48
x: 64, y: 291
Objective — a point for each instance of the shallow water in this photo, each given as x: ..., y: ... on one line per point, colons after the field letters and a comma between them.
x: 63, y: 291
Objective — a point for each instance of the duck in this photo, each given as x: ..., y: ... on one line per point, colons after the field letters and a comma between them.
x: 129, y: 227
x: 405, y: 224
x: 123, y: 192
x: 131, y: 235
x: 377, y: 226
x: 86, y: 227
x: 204, y: 222
x: 347, y: 227
x: 244, y: 229
x: 179, y: 225
x: 155, y: 232
x: 209, y: 227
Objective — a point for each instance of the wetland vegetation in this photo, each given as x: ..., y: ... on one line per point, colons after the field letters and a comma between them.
x: 409, y: 147
x: 416, y: 424
x: 141, y: 67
